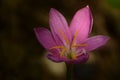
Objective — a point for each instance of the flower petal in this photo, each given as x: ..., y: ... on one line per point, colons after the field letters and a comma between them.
x: 45, y: 37
x: 95, y: 42
x: 59, y: 27
x: 54, y: 57
x: 81, y: 24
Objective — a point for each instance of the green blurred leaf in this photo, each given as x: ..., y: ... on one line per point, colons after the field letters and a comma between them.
x: 114, y: 3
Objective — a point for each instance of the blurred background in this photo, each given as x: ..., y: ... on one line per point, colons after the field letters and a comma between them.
x: 22, y: 57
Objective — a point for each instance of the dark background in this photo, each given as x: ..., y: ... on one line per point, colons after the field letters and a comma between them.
x: 22, y: 57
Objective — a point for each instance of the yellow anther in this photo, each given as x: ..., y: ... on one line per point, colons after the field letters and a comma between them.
x: 79, y: 45
x: 56, y: 47
x: 64, y: 36
x: 62, y: 52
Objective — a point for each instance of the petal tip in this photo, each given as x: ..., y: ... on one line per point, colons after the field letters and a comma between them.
x: 52, y: 10
x: 87, y: 6
x: 85, y: 9
x: 107, y: 38
x: 36, y: 29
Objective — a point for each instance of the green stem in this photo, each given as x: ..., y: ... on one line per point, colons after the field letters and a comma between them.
x: 69, y: 71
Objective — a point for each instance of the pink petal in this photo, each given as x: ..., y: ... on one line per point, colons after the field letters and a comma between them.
x: 45, y: 37
x: 95, y: 42
x: 81, y: 22
x: 59, y: 27
x: 54, y: 57
x: 80, y: 59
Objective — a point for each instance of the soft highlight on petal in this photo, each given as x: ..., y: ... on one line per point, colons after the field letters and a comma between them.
x: 95, y: 42
x: 81, y: 24
x: 59, y: 26
x: 45, y: 37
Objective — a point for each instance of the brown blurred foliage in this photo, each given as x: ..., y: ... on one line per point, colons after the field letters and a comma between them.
x: 20, y: 52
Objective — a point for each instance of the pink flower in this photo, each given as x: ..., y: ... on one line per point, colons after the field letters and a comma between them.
x: 69, y: 44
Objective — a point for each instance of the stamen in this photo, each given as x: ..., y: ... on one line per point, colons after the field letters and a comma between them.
x: 63, y: 35
x: 56, y: 47
x: 62, y: 52
x: 79, y: 45
x: 75, y: 36
x: 59, y: 47
x: 74, y: 39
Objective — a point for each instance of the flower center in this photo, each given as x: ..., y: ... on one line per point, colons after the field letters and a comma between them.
x: 71, y: 55
x: 70, y: 52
